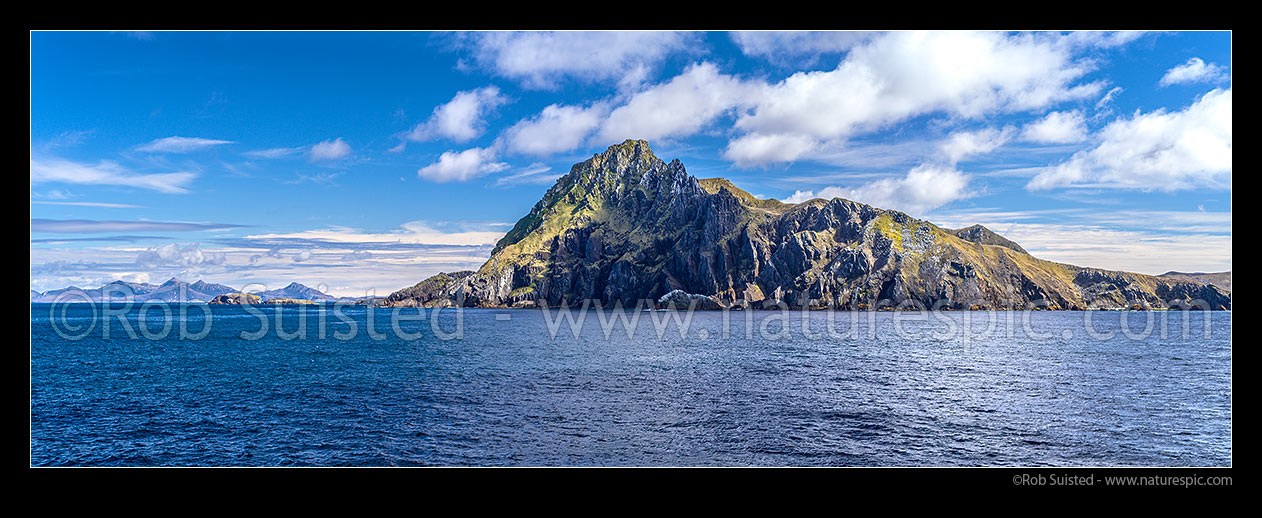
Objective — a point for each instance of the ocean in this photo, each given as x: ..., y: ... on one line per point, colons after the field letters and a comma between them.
x: 482, y: 387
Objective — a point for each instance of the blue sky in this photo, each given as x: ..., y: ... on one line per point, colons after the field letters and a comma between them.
x: 364, y: 162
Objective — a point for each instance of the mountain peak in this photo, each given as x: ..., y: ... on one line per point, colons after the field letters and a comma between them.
x: 631, y: 156
x: 985, y: 236
x: 294, y: 291
x: 632, y: 146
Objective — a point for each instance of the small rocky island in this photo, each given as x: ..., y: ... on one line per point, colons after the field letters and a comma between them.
x: 250, y: 298
x: 236, y: 298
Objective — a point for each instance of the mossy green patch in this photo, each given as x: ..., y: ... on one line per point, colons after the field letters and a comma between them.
x: 771, y: 205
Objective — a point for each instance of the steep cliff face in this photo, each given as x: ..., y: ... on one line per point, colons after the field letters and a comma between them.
x: 626, y: 226
x: 438, y: 290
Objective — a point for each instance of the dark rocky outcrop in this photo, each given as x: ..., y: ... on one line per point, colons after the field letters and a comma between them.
x: 236, y: 298
x: 289, y: 302
x: 679, y: 299
x: 439, y: 290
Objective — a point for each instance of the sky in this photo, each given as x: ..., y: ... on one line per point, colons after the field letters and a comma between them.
x: 363, y: 162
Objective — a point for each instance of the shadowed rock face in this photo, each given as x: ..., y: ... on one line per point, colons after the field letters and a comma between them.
x: 1220, y: 279
x: 625, y: 226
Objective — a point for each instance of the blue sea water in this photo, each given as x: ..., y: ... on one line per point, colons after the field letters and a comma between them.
x: 888, y: 389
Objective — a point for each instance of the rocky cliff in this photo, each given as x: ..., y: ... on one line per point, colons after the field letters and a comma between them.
x: 1220, y: 279
x: 236, y: 298
x: 625, y: 226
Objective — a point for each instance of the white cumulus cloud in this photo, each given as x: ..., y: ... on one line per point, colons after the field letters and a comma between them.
x: 556, y: 129
x: 543, y: 59
x: 963, y: 144
x: 905, y: 74
x: 1157, y: 150
x: 1195, y: 70
x: 330, y: 150
x: 461, y: 118
x: 778, y: 44
x: 1057, y: 128
x: 175, y: 255
x: 462, y: 166
x: 678, y: 107
x: 758, y: 149
x: 924, y: 188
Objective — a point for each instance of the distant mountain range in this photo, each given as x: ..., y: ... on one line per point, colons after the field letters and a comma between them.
x: 625, y: 226
x: 295, y: 291
x: 174, y: 290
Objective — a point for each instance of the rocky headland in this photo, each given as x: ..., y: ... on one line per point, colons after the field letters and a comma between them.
x: 625, y: 226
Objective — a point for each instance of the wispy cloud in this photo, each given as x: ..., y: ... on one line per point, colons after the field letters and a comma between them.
x: 331, y: 149
x: 89, y: 204
x: 126, y: 239
x: 1151, y: 242
x: 535, y: 173
x: 276, y: 152
x: 66, y: 139
x: 140, y: 35
x: 106, y: 173
x: 321, y: 178
x: 415, y: 232
x: 1139, y: 252
x: 180, y: 144
x: 90, y: 226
